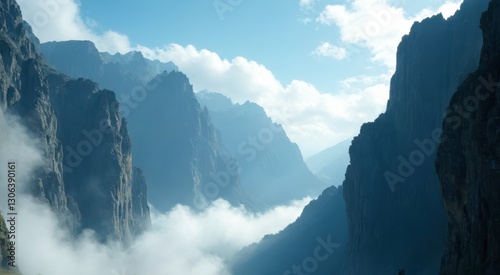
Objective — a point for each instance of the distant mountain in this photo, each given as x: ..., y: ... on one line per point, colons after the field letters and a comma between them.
x: 329, y: 165
x: 173, y: 138
x: 468, y: 162
x: 120, y: 73
x: 87, y: 176
x: 176, y: 145
x: 271, y: 166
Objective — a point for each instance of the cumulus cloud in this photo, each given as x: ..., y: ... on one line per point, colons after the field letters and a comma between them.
x: 311, y: 118
x: 328, y: 50
x: 59, y: 20
x: 180, y: 241
x: 376, y: 25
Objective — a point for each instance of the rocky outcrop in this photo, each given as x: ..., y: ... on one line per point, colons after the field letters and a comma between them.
x: 176, y: 145
x: 86, y: 175
x: 24, y: 90
x: 468, y: 162
x: 314, y: 244
x: 97, y: 161
x: 271, y: 166
x: 395, y: 211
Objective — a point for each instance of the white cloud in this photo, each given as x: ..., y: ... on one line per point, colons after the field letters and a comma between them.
x: 179, y: 242
x: 313, y: 119
x: 16, y: 145
x: 328, y: 50
x: 59, y: 20
x: 376, y: 25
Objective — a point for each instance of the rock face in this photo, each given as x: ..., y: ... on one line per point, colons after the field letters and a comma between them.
x: 174, y: 140
x: 313, y: 244
x: 395, y: 211
x: 468, y: 162
x: 87, y: 175
x: 271, y: 166
x: 176, y: 145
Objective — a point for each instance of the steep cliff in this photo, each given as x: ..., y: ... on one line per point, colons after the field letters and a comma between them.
x: 86, y: 175
x: 395, y: 211
x: 271, y: 166
x: 176, y: 146
x: 97, y: 160
x: 468, y: 162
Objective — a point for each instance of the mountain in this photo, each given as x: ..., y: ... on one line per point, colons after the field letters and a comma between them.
x: 329, y: 165
x: 395, y: 213
x: 314, y: 243
x: 119, y: 72
x: 271, y: 166
x: 393, y: 201
x: 174, y: 140
x: 176, y: 144
x: 468, y: 162
x: 87, y: 176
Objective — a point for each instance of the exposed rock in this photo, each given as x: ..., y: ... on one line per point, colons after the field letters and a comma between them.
x: 96, y: 192
x: 468, y: 162
x: 395, y: 211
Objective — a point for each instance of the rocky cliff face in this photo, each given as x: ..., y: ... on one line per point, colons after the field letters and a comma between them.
x: 468, y: 162
x: 395, y: 212
x: 87, y: 174
x: 174, y: 140
x: 271, y: 166
x: 97, y: 160
x: 176, y: 145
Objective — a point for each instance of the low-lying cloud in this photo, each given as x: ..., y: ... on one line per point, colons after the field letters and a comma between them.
x: 180, y: 242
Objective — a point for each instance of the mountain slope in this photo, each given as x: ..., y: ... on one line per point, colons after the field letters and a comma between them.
x: 468, y: 162
x: 67, y: 116
x: 176, y: 144
x: 271, y: 166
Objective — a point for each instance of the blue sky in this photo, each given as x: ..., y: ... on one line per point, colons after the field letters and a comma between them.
x: 319, y: 67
